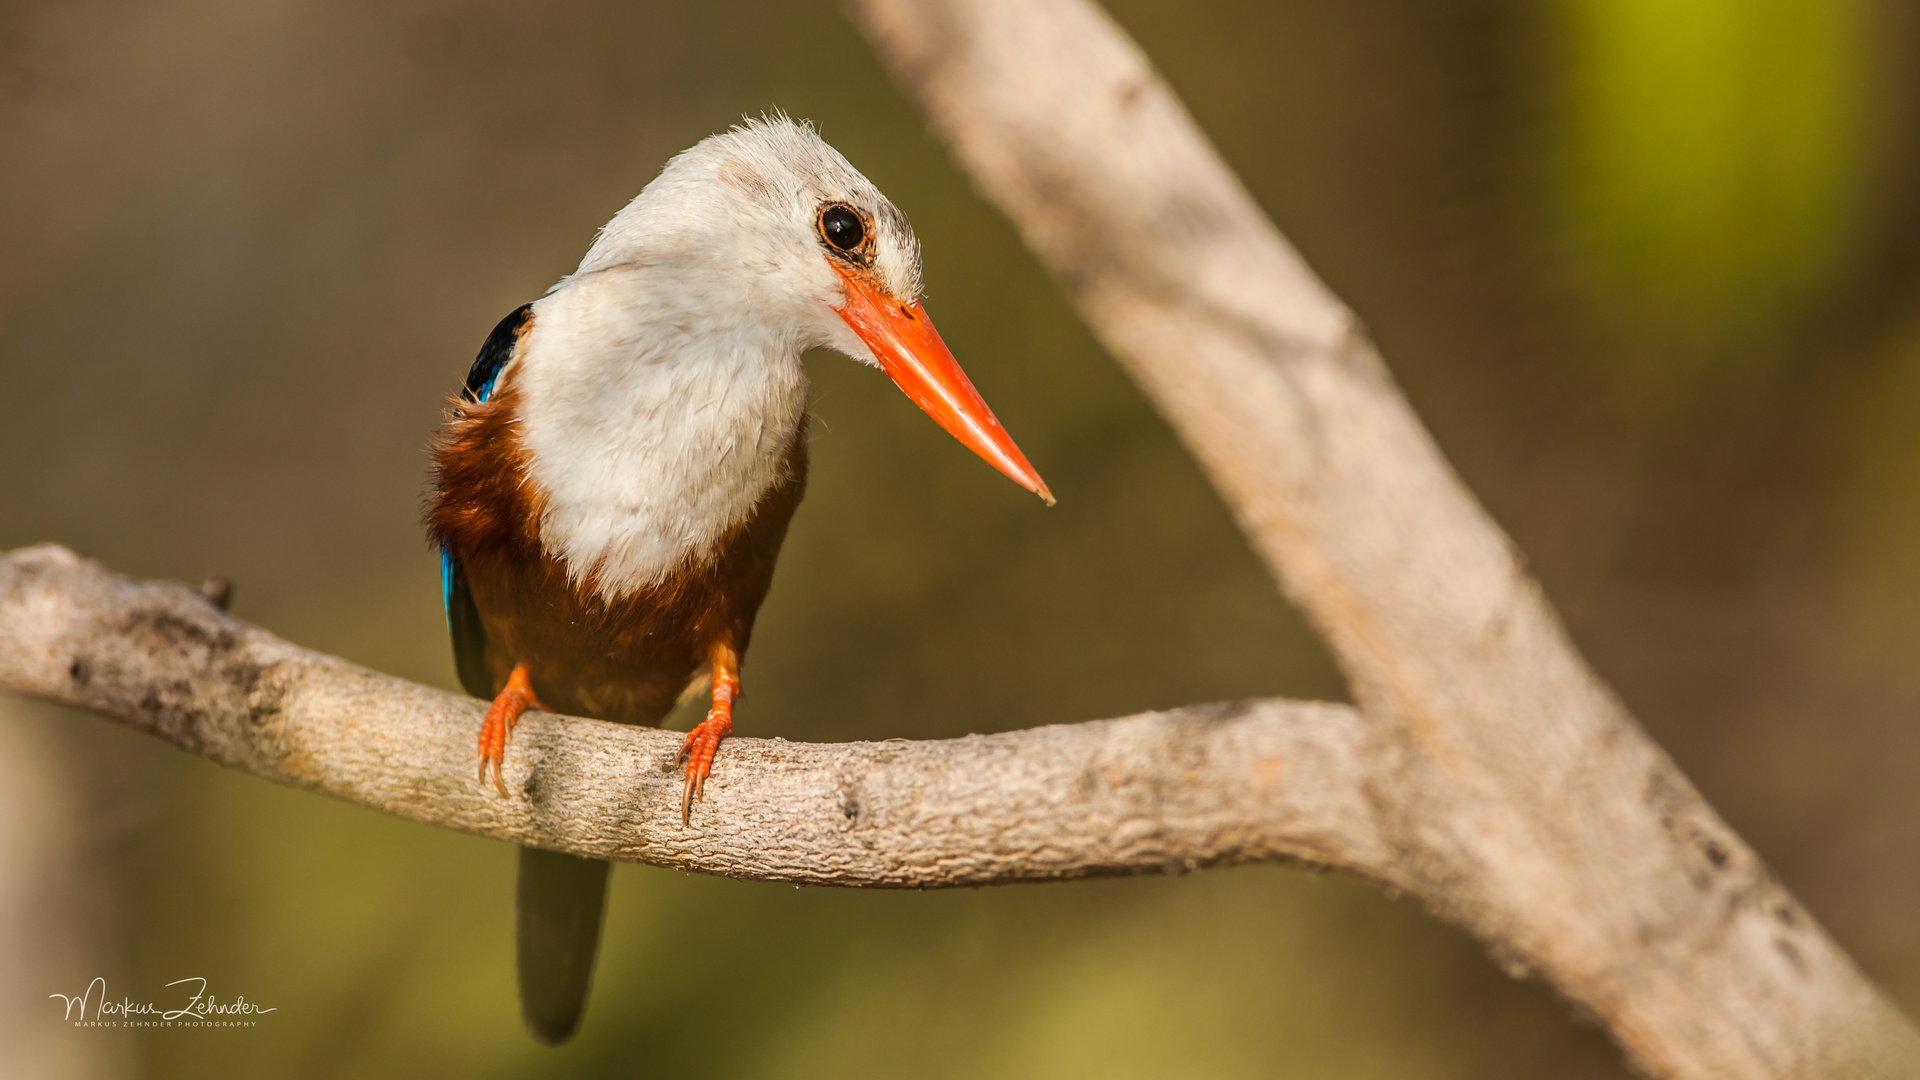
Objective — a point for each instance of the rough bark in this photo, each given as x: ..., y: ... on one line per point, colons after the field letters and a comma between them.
x: 1518, y: 797
x: 1153, y: 793
x: 1485, y: 770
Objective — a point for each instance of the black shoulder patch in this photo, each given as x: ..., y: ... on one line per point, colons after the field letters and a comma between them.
x: 495, y: 353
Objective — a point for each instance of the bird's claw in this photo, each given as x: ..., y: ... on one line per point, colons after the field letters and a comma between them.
x: 495, y: 762
x: 515, y: 698
x: 698, y: 750
x: 493, y: 747
x: 705, y: 737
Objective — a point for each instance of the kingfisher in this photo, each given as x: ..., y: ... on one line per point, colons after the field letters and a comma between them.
x: 613, y: 482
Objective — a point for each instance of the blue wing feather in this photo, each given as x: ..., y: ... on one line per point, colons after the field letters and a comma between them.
x: 463, y: 618
x: 449, y: 567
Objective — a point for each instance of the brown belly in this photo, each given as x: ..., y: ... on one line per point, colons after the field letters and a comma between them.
x: 627, y: 659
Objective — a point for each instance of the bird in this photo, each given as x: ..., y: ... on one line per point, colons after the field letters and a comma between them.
x: 613, y: 481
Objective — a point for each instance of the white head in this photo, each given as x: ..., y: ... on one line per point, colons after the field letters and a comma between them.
x: 662, y: 379
x: 742, y: 219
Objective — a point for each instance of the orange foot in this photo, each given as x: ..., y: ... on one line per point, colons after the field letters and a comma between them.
x: 704, y: 740
x: 515, y: 698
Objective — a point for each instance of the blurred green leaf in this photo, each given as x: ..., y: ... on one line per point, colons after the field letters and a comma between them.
x: 1716, y: 148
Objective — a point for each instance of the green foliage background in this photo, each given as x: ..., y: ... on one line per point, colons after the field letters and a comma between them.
x: 1651, y: 270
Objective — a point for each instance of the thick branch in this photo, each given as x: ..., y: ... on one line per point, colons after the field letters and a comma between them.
x: 1520, y: 799
x: 1487, y: 771
x: 1158, y: 792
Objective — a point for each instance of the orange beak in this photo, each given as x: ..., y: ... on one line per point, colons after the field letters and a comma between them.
x: 910, y: 351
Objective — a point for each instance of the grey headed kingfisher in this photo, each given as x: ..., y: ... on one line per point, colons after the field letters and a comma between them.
x: 613, y: 482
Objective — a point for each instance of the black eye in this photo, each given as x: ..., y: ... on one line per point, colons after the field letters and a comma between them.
x: 842, y: 227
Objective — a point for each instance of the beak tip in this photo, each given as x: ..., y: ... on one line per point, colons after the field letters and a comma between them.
x: 1045, y: 495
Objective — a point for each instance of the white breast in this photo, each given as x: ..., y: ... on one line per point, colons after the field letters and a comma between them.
x: 652, y: 427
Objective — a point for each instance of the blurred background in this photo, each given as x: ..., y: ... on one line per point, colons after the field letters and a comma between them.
x: 1650, y: 269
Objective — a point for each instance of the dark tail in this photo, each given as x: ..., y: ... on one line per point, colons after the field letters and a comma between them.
x: 557, y: 933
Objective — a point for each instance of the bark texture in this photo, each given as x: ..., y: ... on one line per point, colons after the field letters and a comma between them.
x: 1153, y: 793
x: 1518, y: 797
x: 1485, y: 769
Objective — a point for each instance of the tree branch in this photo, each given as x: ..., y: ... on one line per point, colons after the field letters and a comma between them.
x: 1518, y: 797
x: 1487, y: 770
x: 1158, y: 792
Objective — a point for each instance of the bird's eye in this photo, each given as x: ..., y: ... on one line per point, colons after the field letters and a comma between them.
x: 842, y: 227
